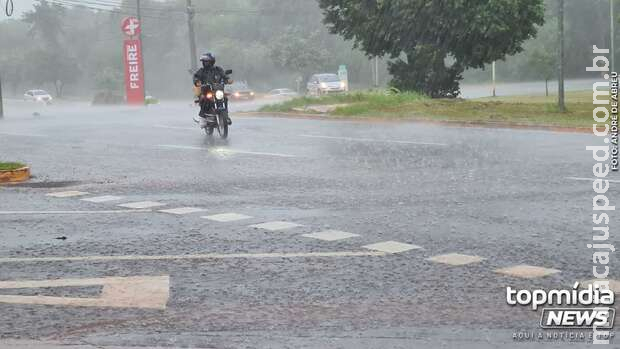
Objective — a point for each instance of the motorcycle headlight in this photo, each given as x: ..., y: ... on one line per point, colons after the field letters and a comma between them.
x: 219, y: 94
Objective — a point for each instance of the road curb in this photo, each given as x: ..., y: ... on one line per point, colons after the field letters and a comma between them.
x: 15, y: 176
x: 454, y: 123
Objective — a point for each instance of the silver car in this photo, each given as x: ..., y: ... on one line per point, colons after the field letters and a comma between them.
x: 38, y: 96
x: 325, y: 83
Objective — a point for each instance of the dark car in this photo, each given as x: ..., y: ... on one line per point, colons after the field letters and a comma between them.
x: 240, y: 90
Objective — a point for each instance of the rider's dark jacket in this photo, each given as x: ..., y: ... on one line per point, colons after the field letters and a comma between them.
x: 210, y: 75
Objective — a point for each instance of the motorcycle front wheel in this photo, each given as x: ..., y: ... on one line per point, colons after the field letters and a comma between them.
x: 222, y: 125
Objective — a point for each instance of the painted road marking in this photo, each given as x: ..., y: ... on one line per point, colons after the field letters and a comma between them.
x: 105, y: 198
x: 187, y: 147
x: 150, y: 292
x: 71, y: 212
x: 67, y: 194
x: 183, y: 210
x: 614, y: 285
x: 527, y: 271
x: 227, y: 217
x: 391, y: 247
x: 277, y: 225
x: 195, y: 256
x: 224, y: 151
x: 373, y: 140
x: 175, y: 127
x: 22, y: 134
x: 592, y: 179
x: 142, y: 204
x: 456, y: 259
x: 330, y: 235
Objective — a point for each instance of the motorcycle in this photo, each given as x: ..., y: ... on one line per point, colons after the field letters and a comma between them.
x: 215, y: 101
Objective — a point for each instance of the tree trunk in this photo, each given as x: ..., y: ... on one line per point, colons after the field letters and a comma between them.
x: 58, y: 85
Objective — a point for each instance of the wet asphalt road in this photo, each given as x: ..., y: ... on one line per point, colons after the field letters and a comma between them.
x: 499, y: 194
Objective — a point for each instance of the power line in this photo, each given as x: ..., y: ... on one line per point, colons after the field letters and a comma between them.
x: 119, y: 8
x: 64, y: 4
x: 118, y: 5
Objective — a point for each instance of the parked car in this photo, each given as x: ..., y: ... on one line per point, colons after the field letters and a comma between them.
x: 240, y: 90
x: 282, y: 92
x: 38, y: 96
x: 319, y: 84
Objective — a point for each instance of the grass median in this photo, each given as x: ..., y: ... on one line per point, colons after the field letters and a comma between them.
x: 522, y: 110
x: 10, y: 166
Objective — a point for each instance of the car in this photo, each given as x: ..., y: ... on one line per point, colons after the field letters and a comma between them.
x: 240, y: 90
x: 38, y: 96
x: 282, y: 92
x: 319, y: 84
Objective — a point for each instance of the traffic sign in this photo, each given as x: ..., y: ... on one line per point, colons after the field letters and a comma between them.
x: 131, y: 26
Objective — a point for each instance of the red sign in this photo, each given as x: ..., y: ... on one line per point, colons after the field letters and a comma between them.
x: 134, y: 72
x: 131, y: 26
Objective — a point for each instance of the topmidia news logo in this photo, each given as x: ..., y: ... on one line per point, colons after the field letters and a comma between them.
x: 574, y: 309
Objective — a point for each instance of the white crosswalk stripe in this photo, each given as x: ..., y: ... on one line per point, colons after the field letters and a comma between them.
x: 330, y: 235
x: 527, y: 271
x: 456, y: 259
x: 183, y: 210
x: 104, y: 198
x: 67, y: 194
x: 277, y: 225
x: 227, y: 217
x: 391, y: 247
x: 142, y: 204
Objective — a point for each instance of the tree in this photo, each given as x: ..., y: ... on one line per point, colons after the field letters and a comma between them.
x: 109, y: 80
x: 298, y: 52
x: 46, y: 22
x: 432, y: 42
x: 53, y: 68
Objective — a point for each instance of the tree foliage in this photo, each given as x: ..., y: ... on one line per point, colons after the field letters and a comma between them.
x: 259, y: 40
x: 45, y: 22
x: 298, y: 52
x: 433, y: 41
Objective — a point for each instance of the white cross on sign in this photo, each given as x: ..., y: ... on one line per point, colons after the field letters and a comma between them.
x: 131, y: 26
x: 150, y: 292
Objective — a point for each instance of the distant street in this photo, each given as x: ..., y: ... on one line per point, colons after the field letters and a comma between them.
x: 522, y: 88
x: 140, y: 231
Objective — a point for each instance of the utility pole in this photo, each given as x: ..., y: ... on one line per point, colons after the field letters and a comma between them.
x: 612, y: 29
x: 139, y: 16
x: 1, y: 106
x: 561, y: 104
x: 493, y: 77
x: 376, y: 72
x: 192, y: 36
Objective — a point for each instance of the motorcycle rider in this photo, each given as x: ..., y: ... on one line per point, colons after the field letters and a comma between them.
x: 209, y: 74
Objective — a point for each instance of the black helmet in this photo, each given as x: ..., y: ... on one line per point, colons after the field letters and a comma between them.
x: 207, y: 59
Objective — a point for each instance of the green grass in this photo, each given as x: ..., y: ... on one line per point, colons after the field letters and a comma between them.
x: 367, y: 100
x: 9, y: 166
x: 531, y: 110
